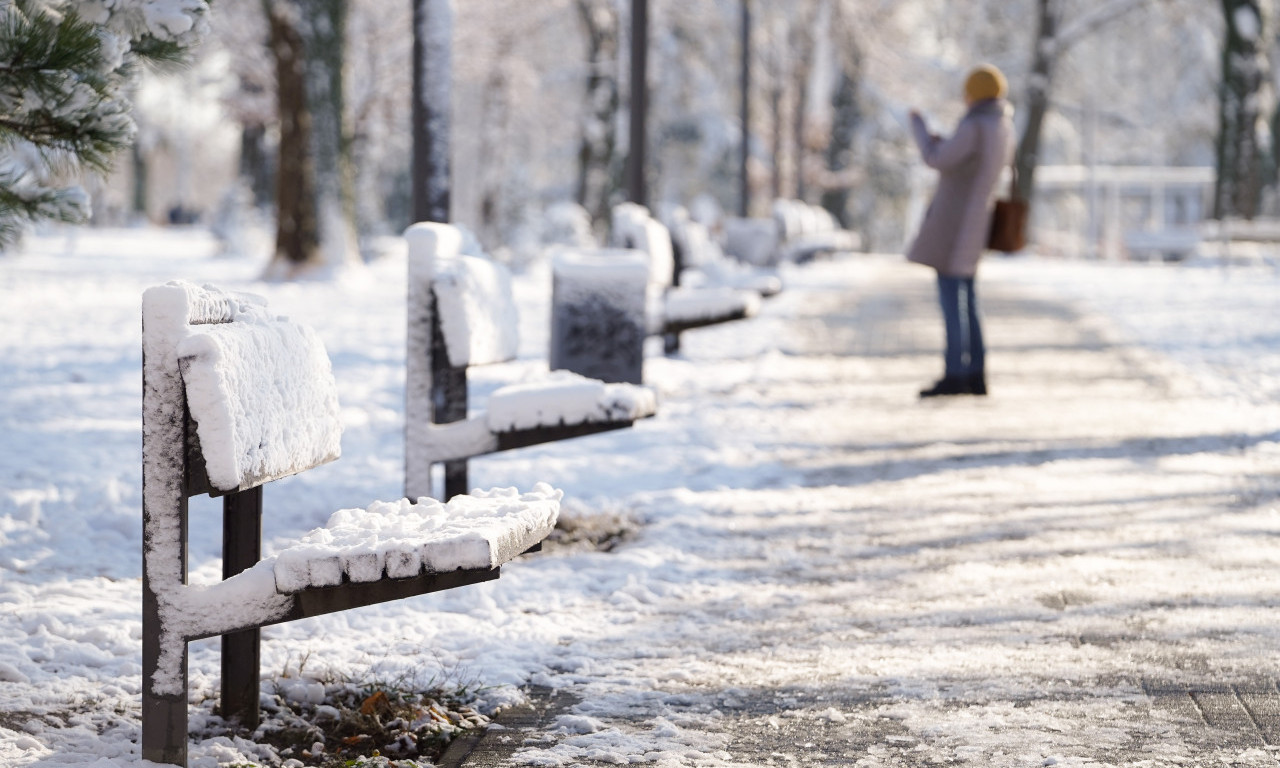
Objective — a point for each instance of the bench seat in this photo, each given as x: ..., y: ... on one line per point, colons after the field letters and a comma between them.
x: 684, y: 308
x: 462, y: 313
x: 561, y: 406
x: 401, y: 539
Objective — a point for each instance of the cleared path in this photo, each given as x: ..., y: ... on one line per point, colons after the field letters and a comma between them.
x: 1079, y: 569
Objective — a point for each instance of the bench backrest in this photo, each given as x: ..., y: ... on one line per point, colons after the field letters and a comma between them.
x: 473, y: 296
x: 634, y: 228
x: 257, y: 390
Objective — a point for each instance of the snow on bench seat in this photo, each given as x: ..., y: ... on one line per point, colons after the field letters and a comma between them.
x: 684, y: 308
x: 400, y: 539
x: 565, y: 399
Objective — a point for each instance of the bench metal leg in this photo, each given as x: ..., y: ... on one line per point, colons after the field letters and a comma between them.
x: 164, y: 716
x: 241, y: 651
x: 449, y: 404
x: 164, y: 720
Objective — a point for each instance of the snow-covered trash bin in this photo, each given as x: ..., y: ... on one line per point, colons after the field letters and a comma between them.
x: 599, y: 311
x: 233, y: 398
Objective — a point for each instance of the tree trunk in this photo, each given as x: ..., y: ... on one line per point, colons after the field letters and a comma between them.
x: 255, y: 163
x: 802, y: 45
x: 1043, y: 55
x: 844, y: 127
x: 297, y: 236
x: 599, y: 178
x: 324, y: 24
x: 1238, y: 189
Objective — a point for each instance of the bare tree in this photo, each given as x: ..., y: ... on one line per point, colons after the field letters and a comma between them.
x: 1055, y: 34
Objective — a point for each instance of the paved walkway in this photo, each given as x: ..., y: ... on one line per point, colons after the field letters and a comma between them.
x: 1079, y: 569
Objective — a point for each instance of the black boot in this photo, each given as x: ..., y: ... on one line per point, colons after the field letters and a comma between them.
x: 948, y: 385
x: 978, y: 383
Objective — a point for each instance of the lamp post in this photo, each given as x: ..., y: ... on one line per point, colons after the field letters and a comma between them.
x: 744, y: 150
x: 636, y: 188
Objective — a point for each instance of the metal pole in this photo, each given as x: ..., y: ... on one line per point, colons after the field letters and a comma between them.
x: 241, y: 651
x: 636, y: 191
x: 432, y: 182
x: 744, y: 197
x: 432, y: 76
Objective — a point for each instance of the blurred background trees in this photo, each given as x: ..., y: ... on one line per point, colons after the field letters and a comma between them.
x: 298, y: 112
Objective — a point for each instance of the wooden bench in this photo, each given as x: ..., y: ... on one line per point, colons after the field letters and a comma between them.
x: 462, y: 313
x: 701, y: 262
x: 234, y: 398
x: 676, y: 308
x: 809, y: 231
x: 796, y: 232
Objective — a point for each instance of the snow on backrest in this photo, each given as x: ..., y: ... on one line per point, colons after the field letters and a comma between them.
x: 259, y: 388
x: 633, y: 227
x: 478, y: 316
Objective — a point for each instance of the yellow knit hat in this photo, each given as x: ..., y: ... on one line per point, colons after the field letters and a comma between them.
x: 985, y: 82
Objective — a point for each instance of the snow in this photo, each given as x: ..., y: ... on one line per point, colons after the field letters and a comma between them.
x: 987, y: 583
x: 634, y: 228
x: 565, y: 398
x: 401, y: 539
x: 477, y: 312
x: 249, y: 383
x: 1246, y: 23
x: 693, y: 304
x: 752, y: 240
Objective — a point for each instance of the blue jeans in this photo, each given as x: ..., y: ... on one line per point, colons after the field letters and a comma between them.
x: 965, y: 354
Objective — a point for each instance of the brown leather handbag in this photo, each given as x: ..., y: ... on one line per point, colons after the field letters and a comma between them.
x: 1008, y: 232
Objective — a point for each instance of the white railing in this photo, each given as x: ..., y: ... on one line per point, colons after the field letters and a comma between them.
x: 1115, y: 212
x: 1107, y: 212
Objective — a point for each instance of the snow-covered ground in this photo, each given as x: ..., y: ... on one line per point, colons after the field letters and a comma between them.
x: 979, y: 582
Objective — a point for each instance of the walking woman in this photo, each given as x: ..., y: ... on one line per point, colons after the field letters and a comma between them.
x: 954, y: 231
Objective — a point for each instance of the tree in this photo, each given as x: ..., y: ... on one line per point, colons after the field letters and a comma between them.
x: 64, y: 107
x: 1245, y: 79
x: 599, y: 174
x: 1054, y: 36
x: 314, y: 210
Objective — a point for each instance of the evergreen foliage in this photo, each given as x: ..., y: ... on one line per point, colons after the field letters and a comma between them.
x: 65, y: 69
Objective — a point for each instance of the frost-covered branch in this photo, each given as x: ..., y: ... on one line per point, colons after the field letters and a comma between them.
x: 65, y: 68
x: 1091, y: 20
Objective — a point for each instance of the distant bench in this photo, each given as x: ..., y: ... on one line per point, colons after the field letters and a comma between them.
x: 234, y: 398
x: 797, y: 232
x: 606, y: 302
x: 462, y: 313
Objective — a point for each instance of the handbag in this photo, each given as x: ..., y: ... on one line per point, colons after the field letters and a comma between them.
x: 1008, y: 231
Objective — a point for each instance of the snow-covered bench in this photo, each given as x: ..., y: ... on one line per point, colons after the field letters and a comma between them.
x: 796, y: 232
x: 461, y: 314
x: 675, y: 308
x: 701, y: 262
x: 234, y: 398
x: 809, y: 231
